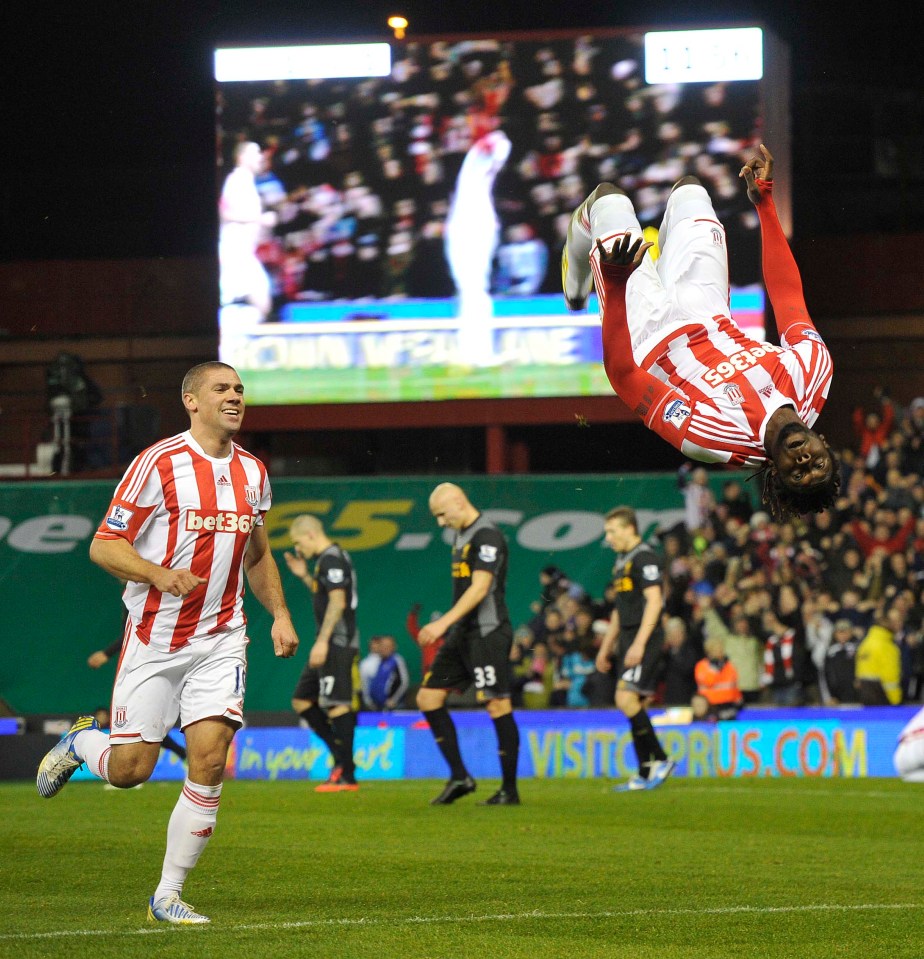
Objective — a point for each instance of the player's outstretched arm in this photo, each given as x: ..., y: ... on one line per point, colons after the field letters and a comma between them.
x: 781, y: 274
x: 642, y: 392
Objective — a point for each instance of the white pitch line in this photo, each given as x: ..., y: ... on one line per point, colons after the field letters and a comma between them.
x: 455, y: 920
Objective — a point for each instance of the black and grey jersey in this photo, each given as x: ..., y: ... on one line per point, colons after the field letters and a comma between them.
x: 333, y: 569
x: 481, y: 546
x: 633, y: 573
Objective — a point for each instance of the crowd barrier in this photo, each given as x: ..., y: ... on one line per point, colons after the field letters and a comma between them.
x: 852, y: 743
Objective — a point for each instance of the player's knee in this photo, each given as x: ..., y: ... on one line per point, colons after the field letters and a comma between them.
x: 607, y: 189
x: 428, y: 699
x: 127, y: 771
x: 627, y: 702
x: 688, y: 180
x: 498, y: 707
x: 208, y: 768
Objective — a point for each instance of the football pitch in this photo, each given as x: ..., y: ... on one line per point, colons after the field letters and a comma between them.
x: 699, y: 868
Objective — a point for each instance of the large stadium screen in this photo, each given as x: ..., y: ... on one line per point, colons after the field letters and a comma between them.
x: 391, y: 216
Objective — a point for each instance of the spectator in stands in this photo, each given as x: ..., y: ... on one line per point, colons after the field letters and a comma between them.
x: 384, y: 675
x: 736, y: 502
x: 818, y: 631
x: 872, y: 428
x: 575, y: 667
x: 839, y: 669
x: 779, y: 675
x: 878, y: 665
x: 742, y: 647
x: 680, y: 658
x: 717, y: 694
x: 698, y: 499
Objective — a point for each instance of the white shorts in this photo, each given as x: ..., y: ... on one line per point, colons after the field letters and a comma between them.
x: 688, y: 283
x: 909, y: 760
x: 204, y: 679
x: 241, y: 275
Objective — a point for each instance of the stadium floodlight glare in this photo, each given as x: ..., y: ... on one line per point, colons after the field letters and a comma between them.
x: 704, y: 56
x: 315, y: 62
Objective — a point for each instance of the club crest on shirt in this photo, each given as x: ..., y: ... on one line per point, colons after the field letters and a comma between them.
x: 676, y: 412
x: 716, y: 237
x: 119, y: 717
x: 119, y: 518
x: 252, y: 495
x: 487, y: 554
x: 733, y: 394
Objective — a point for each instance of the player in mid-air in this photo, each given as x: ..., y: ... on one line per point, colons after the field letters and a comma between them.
x: 184, y: 526
x: 675, y: 356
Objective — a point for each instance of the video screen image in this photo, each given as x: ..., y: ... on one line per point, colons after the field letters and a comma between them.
x: 399, y: 237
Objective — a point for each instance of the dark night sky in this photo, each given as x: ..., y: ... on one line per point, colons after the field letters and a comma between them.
x: 108, y: 107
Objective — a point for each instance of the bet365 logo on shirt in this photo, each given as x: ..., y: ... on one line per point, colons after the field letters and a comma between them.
x: 218, y: 521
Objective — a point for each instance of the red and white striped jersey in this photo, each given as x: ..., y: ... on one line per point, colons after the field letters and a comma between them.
x: 733, y: 384
x: 183, y: 509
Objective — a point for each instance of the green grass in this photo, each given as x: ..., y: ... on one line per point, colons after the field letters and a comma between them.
x: 700, y: 868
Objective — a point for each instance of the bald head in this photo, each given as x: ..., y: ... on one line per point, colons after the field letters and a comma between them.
x: 451, y: 507
x: 307, y: 533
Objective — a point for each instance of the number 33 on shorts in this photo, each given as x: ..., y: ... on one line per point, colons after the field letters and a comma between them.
x: 485, y: 676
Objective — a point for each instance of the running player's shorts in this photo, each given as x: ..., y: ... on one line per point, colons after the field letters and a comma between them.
x: 202, y: 680
x: 689, y: 282
x: 334, y: 683
x: 641, y: 679
x: 482, y: 660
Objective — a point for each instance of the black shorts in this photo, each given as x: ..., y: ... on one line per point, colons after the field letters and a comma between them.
x: 641, y: 679
x: 482, y: 660
x: 334, y: 684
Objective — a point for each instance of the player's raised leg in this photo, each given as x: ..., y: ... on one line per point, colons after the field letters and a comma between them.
x: 64, y: 758
x: 693, y: 264
x: 576, y: 277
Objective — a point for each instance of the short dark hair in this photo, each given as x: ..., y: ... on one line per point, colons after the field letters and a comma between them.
x: 782, y: 501
x: 193, y: 379
x: 625, y: 514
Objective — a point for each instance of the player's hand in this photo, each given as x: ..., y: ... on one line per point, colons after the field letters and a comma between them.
x: 318, y: 655
x: 297, y: 565
x: 285, y: 639
x: 97, y: 659
x: 626, y: 251
x: 603, y: 663
x: 430, y: 633
x: 757, y: 168
x: 634, y: 655
x: 177, y: 582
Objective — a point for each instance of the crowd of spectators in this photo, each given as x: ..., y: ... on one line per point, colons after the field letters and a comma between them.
x: 360, y: 173
x: 826, y: 609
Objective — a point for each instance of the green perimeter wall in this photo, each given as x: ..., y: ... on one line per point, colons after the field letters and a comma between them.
x: 57, y: 607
